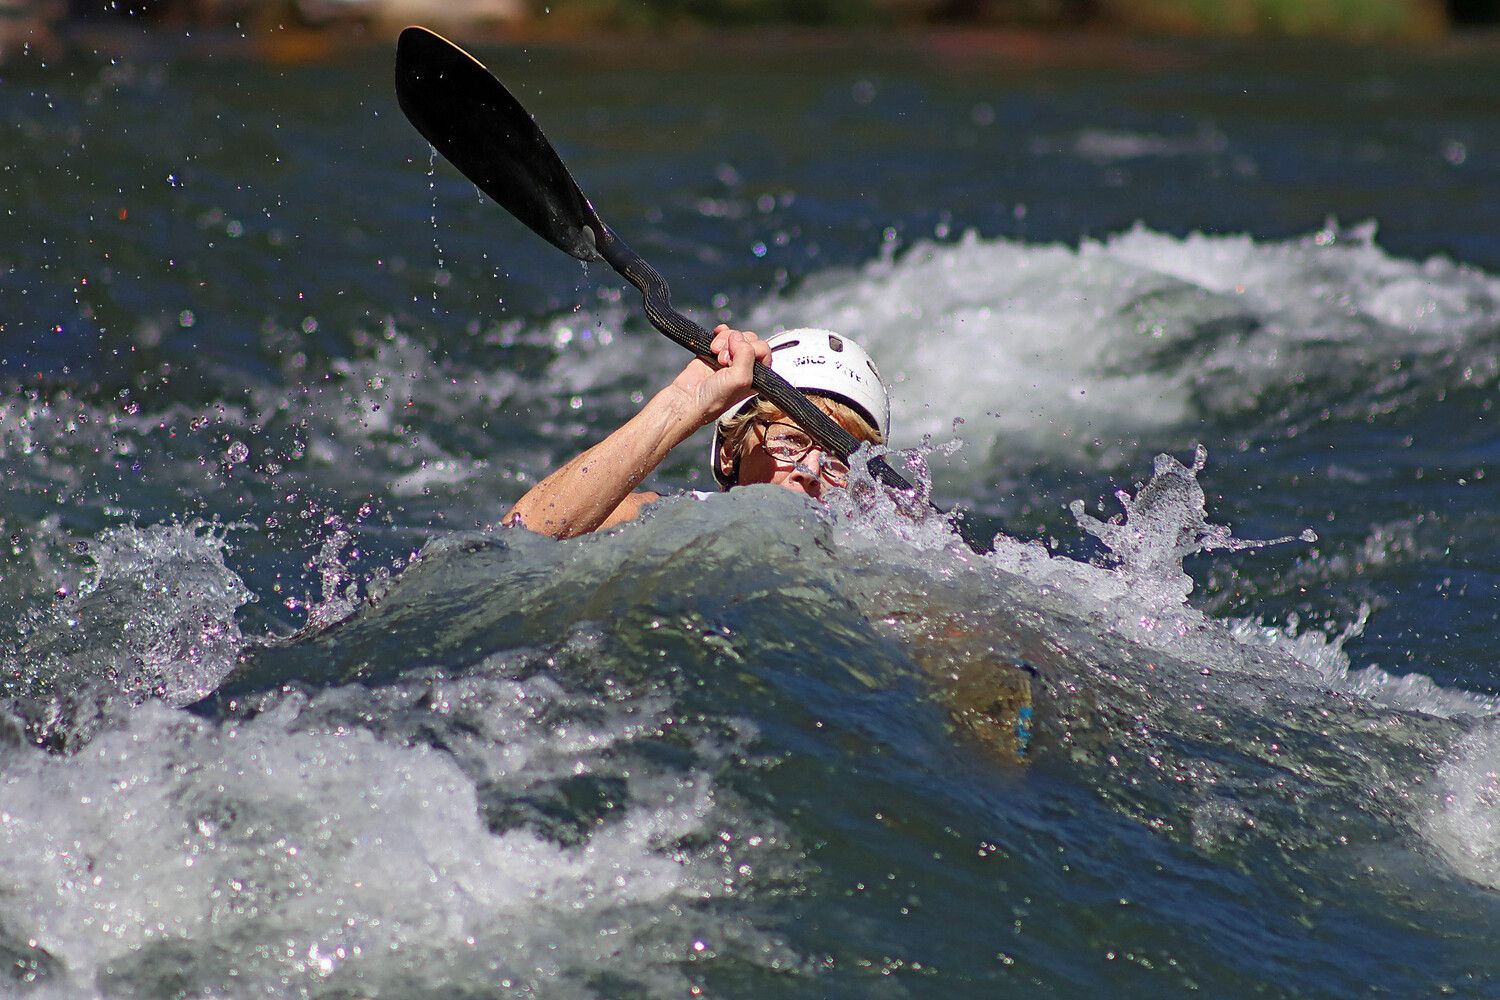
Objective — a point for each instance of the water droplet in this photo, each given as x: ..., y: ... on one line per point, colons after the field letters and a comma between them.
x: 236, y: 453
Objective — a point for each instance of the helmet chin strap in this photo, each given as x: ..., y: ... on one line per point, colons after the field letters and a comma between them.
x: 730, y: 470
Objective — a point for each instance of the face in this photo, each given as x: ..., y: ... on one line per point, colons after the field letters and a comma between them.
x: 782, y: 454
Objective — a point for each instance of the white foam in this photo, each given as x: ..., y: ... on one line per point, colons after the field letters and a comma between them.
x: 368, y: 418
x: 1109, y: 145
x: 1464, y: 823
x: 301, y: 847
x: 1075, y: 352
x: 1139, y: 590
x: 154, y: 617
x: 1086, y: 622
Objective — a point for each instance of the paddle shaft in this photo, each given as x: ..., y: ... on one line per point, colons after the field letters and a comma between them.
x: 657, y: 298
x: 477, y: 125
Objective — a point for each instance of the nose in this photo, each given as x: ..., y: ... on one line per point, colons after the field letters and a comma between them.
x: 807, y: 474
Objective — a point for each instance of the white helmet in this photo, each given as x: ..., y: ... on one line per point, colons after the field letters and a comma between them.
x: 823, y: 362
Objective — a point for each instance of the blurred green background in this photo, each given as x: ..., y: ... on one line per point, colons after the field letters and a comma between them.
x: 34, y: 21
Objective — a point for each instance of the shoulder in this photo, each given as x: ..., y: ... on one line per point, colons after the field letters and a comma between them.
x: 629, y: 508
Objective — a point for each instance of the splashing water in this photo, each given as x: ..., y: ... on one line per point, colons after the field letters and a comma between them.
x: 300, y: 850
x: 154, y: 619
x: 1165, y: 522
x: 437, y: 792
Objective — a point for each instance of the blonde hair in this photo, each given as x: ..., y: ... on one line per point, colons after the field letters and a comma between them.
x: 734, y: 431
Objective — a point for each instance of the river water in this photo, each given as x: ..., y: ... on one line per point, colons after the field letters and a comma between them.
x: 270, y: 370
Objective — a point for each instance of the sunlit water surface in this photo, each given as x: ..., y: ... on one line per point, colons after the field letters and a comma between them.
x: 268, y: 367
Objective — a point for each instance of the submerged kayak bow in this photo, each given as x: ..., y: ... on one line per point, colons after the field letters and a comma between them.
x: 478, y: 126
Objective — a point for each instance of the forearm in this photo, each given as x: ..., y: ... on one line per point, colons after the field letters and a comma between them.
x: 580, y: 496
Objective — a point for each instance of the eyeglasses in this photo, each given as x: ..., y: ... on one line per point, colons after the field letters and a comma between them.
x: 788, y: 444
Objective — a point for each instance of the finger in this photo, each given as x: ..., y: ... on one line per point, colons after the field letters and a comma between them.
x: 734, y: 343
x: 762, y: 349
x: 723, y: 333
x: 745, y: 354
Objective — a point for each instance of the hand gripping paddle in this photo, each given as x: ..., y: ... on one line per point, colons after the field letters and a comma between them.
x: 477, y: 125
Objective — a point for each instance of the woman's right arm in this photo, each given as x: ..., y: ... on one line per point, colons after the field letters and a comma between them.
x: 594, y: 490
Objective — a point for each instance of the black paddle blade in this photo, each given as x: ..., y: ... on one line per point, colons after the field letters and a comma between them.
x: 477, y: 125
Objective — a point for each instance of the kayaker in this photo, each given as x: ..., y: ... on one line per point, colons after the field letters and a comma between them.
x: 754, y: 442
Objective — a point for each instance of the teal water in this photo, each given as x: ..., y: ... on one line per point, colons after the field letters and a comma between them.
x: 286, y: 714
